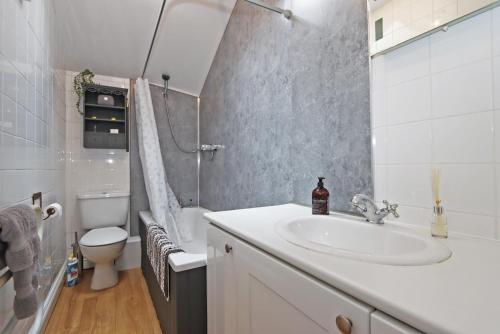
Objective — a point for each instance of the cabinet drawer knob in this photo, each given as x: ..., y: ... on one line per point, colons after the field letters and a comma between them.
x: 344, y: 324
x: 228, y: 248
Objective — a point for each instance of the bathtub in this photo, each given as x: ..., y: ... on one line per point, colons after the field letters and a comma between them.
x: 186, y: 310
x: 195, y: 251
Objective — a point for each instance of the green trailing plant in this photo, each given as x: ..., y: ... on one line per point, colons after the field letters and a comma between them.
x: 80, y: 83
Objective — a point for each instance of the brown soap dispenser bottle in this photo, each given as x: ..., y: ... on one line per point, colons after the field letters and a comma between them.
x: 320, y: 199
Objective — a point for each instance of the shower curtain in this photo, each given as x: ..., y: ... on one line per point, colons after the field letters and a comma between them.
x: 163, y: 204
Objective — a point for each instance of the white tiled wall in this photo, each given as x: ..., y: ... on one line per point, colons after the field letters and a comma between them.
x: 32, y: 126
x: 90, y: 169
x: 405, y: 19
x: 436, y: 102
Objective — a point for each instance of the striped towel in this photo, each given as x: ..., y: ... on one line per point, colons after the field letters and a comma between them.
x: 159, y: 247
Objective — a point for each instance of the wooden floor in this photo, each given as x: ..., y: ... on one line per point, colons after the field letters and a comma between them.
x: 124, y: 308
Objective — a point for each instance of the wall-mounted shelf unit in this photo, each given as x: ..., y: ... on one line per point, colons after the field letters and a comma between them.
x: 105, y: 123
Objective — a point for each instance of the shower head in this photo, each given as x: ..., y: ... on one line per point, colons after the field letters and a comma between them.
x: 165, y: 77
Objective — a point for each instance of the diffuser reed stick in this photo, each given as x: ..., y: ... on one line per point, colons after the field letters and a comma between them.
x: 436, y: 186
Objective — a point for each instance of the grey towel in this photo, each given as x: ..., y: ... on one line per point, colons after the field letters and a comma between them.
x: 18, y: 232
x: 159, y: 247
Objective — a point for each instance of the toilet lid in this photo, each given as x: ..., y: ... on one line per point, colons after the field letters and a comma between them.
x: 103, y: 236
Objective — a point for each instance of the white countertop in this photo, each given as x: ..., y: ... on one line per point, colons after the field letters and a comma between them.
x: 460, y: 295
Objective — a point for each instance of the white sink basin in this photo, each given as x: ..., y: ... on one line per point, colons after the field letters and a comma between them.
x: 386, y: 244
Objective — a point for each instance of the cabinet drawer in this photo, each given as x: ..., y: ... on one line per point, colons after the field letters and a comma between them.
x: 384, y: 324
x: 274, y: 297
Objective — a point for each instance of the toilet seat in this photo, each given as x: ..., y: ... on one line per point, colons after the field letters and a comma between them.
x: 103, y: 236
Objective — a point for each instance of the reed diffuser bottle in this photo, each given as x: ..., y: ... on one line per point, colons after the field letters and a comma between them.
x: 439, y: 225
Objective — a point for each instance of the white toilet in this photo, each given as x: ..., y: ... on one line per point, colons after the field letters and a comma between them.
x: 105, y: 215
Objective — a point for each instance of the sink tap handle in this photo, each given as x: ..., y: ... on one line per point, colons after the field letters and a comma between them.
x: 392, y: 208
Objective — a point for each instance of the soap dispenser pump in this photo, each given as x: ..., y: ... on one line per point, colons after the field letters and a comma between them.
x: 320, y: 199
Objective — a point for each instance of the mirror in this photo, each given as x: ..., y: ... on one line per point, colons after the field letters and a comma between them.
x: 393, y: 22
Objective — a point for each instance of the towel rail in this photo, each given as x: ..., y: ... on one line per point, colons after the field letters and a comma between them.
x: 49, y: 212
x: 5, y: 277
x: 7, y: 274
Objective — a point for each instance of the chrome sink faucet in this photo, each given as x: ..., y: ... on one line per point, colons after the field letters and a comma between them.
x: 367, y: 207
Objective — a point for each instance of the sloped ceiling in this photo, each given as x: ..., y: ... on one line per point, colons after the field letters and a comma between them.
x: 112, y: 37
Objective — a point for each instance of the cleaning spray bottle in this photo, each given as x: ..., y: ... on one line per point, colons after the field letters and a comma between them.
x: 71, y: 270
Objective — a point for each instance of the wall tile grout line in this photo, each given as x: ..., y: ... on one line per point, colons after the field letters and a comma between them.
x: 438, y: 118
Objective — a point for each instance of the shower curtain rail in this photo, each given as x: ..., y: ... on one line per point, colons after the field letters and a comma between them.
x: 285, y: 12
x: 160, y: 15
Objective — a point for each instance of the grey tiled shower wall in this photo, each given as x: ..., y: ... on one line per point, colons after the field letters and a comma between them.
x: 181, y: 168
x: 290, y: 101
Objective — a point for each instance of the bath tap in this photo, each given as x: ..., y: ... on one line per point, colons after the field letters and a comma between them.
x: 184, y: 205
x: 367, y: 207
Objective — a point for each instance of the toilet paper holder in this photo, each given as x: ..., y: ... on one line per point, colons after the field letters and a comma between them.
x: 50, y: 212
x: 37, y: 201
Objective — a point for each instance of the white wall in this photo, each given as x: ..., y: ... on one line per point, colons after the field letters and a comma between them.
x: 90, y: 169
x: 436, y: 102
x: 32, y: 126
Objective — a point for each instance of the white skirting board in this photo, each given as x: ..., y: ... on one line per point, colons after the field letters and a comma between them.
x: 131, y: 257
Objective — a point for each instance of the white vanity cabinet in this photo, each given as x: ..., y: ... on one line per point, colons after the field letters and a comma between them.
x: 221, y: 284
x: 273, y: 276
x: 250, y: 291
x: 381, y: 323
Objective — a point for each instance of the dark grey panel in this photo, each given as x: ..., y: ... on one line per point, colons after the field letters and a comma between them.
x: 186, y: 311
x: 181, y: 168
x: 290, y: 100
